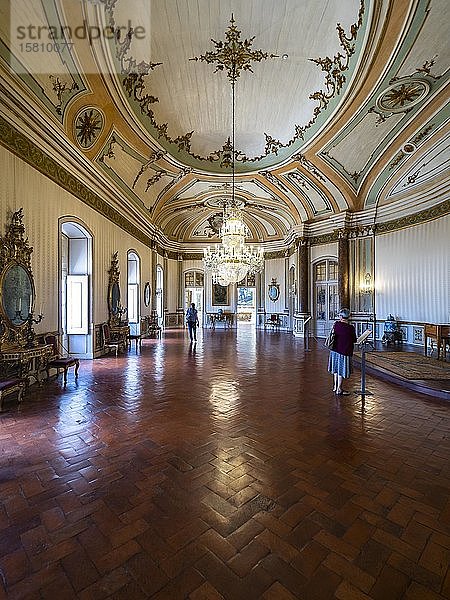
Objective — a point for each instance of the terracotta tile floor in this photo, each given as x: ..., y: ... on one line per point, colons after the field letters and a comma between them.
x: 228, y: 470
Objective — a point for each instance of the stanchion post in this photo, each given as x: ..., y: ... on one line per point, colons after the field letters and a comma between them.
x: 306, y: 333
x: 362, y: 341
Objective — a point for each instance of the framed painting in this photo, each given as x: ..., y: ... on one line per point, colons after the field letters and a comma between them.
x: 219, y: 295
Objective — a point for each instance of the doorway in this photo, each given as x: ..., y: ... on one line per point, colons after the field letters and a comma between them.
x: 76, y: 283
x: 193, y: 291
x: 246, y: 305
x: 325, y: 290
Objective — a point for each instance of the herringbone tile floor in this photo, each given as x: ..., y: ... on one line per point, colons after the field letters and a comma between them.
x: 226, y: 470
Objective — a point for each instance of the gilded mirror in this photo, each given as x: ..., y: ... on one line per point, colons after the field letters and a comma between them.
x: 114, y: 292
x: 147, y: 293
x: 17, y: 292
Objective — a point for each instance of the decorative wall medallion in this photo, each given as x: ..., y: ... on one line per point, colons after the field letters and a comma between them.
x: 402, y: 95
x: 89, y: 123
x: 211, y: 227
x: 274, y: 290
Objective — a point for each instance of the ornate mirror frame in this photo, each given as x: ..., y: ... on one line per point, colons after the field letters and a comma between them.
x: 147, y: 293
x: 114, y: 292
x: 17, y: 291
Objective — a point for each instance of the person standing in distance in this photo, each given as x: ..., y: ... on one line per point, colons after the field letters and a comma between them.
x: 340, y: 359
x: 192, y: 321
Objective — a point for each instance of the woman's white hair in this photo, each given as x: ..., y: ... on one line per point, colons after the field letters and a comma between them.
x: 344, y: 313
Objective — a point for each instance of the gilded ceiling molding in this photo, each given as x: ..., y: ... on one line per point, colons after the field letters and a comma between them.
x: 21, y: 146
x: 394, y: 96
x: 309, y: 166
x: 429, y: 214
x: 298, y: 180
x: 176, y: 179
x: 410, y: 146
x: 134, y: 83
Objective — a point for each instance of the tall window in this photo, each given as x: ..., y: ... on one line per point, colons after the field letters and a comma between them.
x: 133, y: 288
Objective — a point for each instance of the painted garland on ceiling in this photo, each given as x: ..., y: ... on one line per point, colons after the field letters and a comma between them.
x: 135, y: 79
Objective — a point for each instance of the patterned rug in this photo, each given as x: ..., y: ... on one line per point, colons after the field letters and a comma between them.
x: 409, y: 365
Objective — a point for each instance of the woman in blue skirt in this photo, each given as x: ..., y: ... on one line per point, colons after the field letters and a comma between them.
x: 340, y: 359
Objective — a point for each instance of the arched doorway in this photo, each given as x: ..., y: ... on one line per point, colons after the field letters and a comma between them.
x: 76, y: 288
x: 133, y: 286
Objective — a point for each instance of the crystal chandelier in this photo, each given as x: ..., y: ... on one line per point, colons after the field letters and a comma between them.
x: 233, y: 259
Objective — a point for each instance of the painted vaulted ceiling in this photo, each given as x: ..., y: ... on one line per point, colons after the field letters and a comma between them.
x: 341, y: 108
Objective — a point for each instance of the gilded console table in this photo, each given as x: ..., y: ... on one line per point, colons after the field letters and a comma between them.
x: 25, y: 362
x: 227, y: 318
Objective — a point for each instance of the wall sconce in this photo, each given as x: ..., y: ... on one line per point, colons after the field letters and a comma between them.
x: 367, y: 287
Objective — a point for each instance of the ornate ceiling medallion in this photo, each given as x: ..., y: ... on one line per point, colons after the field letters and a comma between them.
x: 403, y: 95
x: 234, y: 55
x: 88, y: 125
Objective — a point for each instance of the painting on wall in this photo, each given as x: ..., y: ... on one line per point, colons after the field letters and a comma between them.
x: 246, y: 297
x: 219, y: 295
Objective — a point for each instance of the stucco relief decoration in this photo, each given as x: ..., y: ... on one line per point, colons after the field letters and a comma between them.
x: 400, y: 97
x: 210, y: 228
x: 88, y: 125
x: 136, y: 82
x: 157, y: 173
x: 63, y: 90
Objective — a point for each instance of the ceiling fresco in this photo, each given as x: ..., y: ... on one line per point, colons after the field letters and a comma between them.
x: 341, y: 108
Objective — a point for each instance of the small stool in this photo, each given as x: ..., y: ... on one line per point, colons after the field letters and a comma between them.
x: 137, y: 338
x: 10, y: 386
